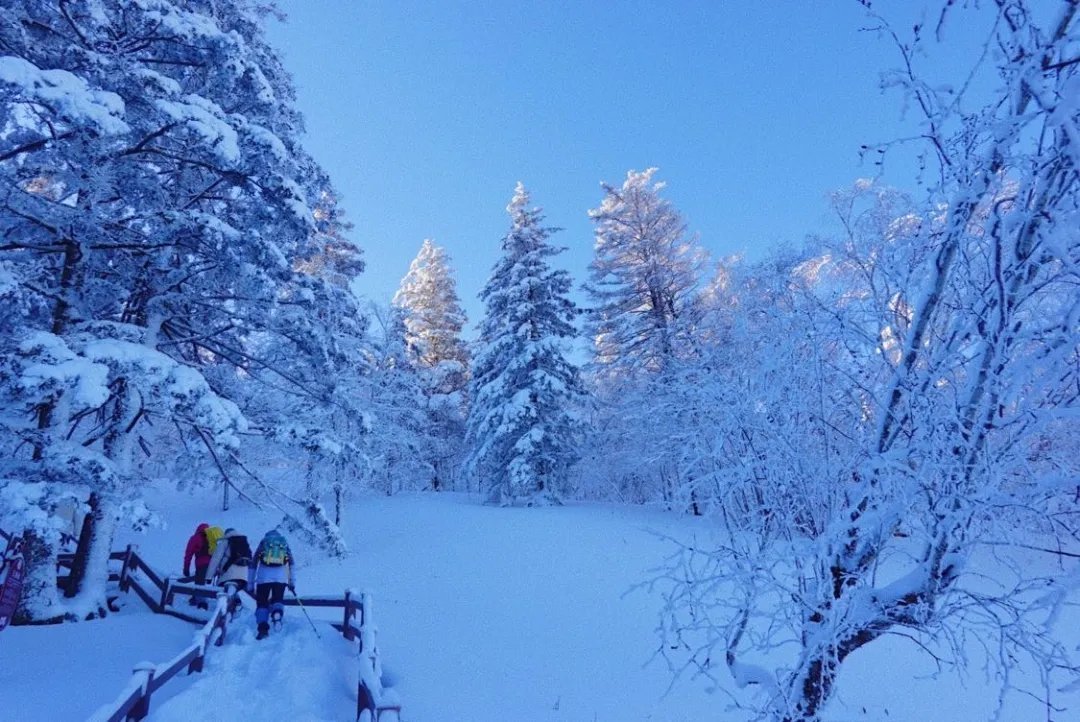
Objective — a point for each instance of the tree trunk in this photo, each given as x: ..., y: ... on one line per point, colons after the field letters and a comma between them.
x: 89, y: 598
x: 339, y: 502
x: 40, y: 603
x: 82, y: 551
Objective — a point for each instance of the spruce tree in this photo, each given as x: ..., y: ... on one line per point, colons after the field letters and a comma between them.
x: 432, y: 320
x: 522, y: 427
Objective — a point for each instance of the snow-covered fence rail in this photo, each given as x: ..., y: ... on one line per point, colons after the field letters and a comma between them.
x: 372, y: 700
x: 66, y: 560
x: 133, y: 703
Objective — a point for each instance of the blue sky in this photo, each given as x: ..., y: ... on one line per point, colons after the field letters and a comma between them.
x: 425, y: 114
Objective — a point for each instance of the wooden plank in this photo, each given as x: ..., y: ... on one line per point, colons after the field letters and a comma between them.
x: 341, y: 628
x: 121, y: 713
x: 195, y: 590
x: 150, y: 574
x: 147, y: 599
x: 326, y: 602
x: 183, y: 615
x: 181, y: 662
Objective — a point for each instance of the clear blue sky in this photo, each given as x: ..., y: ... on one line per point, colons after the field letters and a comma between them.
x: 425, y: 114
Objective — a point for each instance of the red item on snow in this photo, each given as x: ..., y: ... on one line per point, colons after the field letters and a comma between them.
x: 198, y: 548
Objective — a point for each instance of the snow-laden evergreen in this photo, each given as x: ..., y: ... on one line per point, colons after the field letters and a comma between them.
x: 432, y: 319
x: 431, y: 309
x: 644, y: 283
x: 643, y: 279
x: 523, y: 428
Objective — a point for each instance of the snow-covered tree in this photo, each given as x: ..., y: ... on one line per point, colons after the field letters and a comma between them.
x: 643, y: 279
x: 400, y: 446
x: 644, y: 284
x: 522, y: 428
x: 432, y: 312
x: 156, y: 207
x: 912, y: 407
x: 433, y: 320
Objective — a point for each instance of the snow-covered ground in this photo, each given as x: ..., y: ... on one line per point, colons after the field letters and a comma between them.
x: 65, y: 672
x: 291, y: 676
x: 484, y: 614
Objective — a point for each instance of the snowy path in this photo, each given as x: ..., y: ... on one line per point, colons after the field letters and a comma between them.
x: 291, y: 676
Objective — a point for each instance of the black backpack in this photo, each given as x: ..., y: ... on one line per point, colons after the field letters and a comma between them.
x: 239, y: 552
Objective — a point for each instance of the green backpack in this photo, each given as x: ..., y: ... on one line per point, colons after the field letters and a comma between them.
x: 275, y: 551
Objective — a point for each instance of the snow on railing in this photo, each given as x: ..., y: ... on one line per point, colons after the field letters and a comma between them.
x: 133, y: 702
x: 372, y: 699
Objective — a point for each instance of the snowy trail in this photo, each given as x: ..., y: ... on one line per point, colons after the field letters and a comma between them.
x: 292, y: 675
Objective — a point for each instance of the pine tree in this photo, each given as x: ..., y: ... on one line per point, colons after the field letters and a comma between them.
x: 433, y: 320
x: 643, y: 279
x: 644, y: 284
x: 431, y: 309
x: 522, y: 431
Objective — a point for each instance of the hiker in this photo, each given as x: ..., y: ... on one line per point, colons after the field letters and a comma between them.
x: 229, y: 564
x: 230, y: 561
x: 268, y: 576
x: 200, y: 547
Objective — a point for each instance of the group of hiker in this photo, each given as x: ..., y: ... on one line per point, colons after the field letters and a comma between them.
x: 224, y: 557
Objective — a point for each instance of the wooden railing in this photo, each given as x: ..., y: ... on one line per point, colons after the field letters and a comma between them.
x: 133, y: 703
x: 158, y: 593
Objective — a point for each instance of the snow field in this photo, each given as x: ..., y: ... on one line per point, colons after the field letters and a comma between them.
x: 484, y: 615
x: 66, y: 671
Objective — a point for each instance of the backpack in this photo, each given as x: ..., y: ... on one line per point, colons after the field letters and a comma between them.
x: 275, y: 551
x: 239, y: 552
x: 212, y: 533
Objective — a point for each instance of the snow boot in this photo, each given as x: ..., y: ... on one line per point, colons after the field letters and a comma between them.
x: 275, y: 618
x: 264, y: 631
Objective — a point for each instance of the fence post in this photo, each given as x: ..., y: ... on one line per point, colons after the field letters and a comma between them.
x: 128, y: 554
x: 166, y: 592
x: 367, y: 636
x: 142, y: 707
x: 364, y: 700
x: 224, y: 601
x: 346, y: 627
x: 197, y: 663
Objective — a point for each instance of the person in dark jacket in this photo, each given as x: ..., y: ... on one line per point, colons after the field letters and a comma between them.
x: 270, y: 573
x: 198, y: 550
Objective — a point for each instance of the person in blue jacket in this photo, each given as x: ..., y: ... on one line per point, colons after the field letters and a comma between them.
x: 271, y: 571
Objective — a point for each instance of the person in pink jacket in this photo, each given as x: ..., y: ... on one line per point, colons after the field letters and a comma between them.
x: 198, y: 550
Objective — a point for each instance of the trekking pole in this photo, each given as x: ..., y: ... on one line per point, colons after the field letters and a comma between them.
x: 302, y: 609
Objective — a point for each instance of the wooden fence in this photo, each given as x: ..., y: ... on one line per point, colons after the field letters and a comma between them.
x: 157, y: 592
